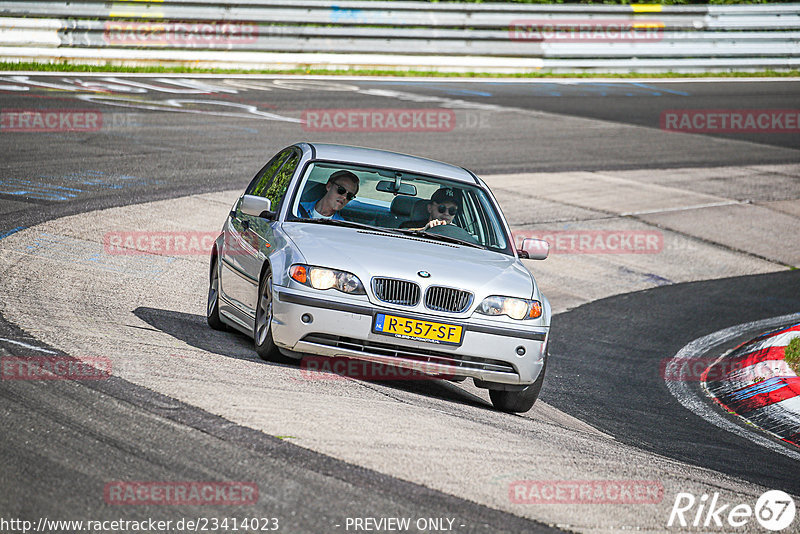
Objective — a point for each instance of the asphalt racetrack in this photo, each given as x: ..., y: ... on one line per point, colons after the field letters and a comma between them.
x: 187, y: 404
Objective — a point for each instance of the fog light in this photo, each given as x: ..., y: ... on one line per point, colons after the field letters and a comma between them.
x: 306, y: 318
x: 520, y: 351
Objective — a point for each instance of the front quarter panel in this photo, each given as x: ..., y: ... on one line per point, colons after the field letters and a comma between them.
x: 283, y: 255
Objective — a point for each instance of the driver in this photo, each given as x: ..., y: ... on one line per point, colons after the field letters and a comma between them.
x: 341, y: 188
x: 442, y: 209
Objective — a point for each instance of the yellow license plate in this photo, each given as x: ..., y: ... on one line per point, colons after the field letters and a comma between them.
x: 406, y: 328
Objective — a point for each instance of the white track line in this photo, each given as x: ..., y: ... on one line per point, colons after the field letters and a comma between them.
x: 20, y: 343
x: 684, y: 208
x: 455, y: 79
x: 680, y: 388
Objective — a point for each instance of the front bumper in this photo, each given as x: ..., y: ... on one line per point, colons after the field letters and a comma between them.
x: 341, y: 328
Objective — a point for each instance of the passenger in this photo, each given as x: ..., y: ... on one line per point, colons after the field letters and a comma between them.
x: 341, y: 188
x: 442, y: 209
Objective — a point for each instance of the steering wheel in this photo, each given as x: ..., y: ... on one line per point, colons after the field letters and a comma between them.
x: 451, y: 230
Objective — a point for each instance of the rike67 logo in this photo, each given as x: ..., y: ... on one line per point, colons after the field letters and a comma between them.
x: 774, y: 510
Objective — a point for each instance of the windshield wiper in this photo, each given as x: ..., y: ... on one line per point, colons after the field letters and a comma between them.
x: 347, y: 224
x: 439, y: 237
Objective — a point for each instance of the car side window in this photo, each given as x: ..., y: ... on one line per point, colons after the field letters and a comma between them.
x: 280, y: 183
x: 264, y: 179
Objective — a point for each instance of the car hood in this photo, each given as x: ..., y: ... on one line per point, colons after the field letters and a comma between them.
x: 366, y: 254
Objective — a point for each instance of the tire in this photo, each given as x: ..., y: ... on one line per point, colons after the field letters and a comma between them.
x: 519, y: 401
x: 262, y: 329
x: 212, y: 308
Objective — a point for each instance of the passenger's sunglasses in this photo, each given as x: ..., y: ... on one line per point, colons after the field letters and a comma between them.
x: 451, y: 210
x: 341, y: 190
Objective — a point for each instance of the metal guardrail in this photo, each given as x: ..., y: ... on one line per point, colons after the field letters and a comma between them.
x: 403, y: 14
x: 426, y: 36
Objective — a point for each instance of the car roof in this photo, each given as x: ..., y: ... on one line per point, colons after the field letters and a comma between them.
x: 392, y: 160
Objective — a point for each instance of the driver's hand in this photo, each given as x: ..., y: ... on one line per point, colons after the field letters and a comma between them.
x: 435, y: 222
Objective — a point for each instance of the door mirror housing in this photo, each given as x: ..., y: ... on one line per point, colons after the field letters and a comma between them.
x: 534, y: 249
x: 257, y: 207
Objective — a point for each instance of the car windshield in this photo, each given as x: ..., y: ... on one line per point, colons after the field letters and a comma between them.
x: 399, y: 201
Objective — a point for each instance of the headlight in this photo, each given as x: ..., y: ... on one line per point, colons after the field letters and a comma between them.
x: 513, y: 307
x: 322, y: 278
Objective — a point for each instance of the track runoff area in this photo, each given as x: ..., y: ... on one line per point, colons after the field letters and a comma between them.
x: 665, y: 229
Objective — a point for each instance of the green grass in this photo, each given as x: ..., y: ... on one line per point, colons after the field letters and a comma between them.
x: 67, y: 67
x: 793, y: 355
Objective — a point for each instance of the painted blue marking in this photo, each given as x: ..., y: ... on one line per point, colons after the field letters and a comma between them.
x: 43, y: 188
x: 379, y: 322
x: 550, y: 88
x: 657, y: 280
x: 558, y: 88
x: 657, y: 90
x: 100, y: 183
x: 13, y: 231
x: 468, y: 92
x: 774, y: 332
x: 444, y: 88
x: 339, y: 14
x: 767, y: 386
x: 31, y: 189
x: 648, y: 277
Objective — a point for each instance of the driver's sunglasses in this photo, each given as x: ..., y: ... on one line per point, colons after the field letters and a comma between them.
x: 452, y: 210
x: 341, y: 190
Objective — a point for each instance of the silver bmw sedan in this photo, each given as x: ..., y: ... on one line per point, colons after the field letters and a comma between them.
x: 373, y: 256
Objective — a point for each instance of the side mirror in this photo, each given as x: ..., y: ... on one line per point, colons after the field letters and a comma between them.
x: 534, y: 249
x: 257, y: 207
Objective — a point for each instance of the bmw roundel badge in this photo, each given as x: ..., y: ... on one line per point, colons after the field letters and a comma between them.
x: 424, y: 274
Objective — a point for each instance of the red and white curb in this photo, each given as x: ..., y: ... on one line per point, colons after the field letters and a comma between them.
x: 758, y: 385
x: 693, y: 399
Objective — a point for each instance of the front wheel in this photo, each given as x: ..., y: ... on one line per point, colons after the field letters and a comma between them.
x: 262, y: 330
x: 519, y: 401
x: 212, y: 308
